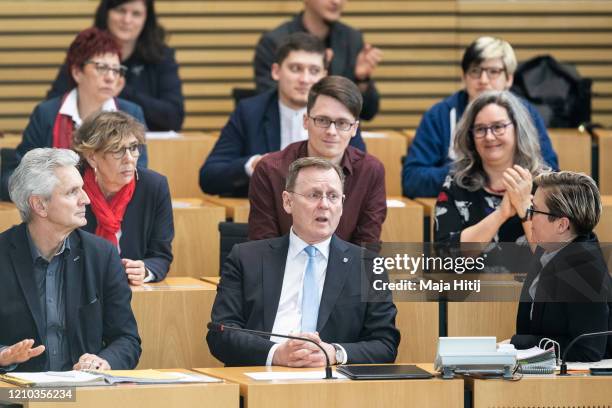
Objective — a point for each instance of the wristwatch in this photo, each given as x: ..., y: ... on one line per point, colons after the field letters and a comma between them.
x: 339, y: 354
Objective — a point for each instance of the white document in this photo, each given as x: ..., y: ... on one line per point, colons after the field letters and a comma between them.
x: 373, y: 135
x: 291, y: 375
x: 396, y: 203
x: 171, y: 134
x: 585, y: 366
x: 58, y: 378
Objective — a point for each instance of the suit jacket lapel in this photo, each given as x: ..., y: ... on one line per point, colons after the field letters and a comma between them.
x: 73, y: 282
x: 273, y: 270
x: 271, y: 125
x: 338, y: 267
x: 24, y: 270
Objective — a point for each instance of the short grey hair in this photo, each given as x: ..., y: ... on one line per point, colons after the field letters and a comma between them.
x: 572, y: 195
x: 35, y: 175
x: 306, y: 162
x: 467, y: 168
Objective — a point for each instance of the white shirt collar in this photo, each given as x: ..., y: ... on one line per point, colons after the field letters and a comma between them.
x: 291, y: 125
x: 70, y: 107
x: 297, y: 245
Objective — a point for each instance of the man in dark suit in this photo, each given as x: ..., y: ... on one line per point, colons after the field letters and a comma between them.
x: 63, y: 289
x: 267, y: 122
x: 350, y: 56
x: 308, y: 283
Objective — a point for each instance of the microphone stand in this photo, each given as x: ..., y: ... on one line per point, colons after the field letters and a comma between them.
x: 563, y: 370
x: 218, y: 327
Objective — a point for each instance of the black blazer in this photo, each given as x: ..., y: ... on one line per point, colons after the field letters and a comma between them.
x: 250, y: 289
x: 253, y: 128
x: 99, y: 316
x: 571, y: 298
x: 147, y: 229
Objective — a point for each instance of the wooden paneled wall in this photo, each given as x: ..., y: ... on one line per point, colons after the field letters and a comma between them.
x: 422, y: 43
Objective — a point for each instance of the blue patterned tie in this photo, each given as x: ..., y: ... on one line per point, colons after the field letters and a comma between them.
x: 310, y: 293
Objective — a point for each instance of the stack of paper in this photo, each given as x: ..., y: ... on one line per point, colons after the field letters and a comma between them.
x: 536, y: 360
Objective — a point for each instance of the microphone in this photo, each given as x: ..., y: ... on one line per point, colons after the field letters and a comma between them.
x: 218, y: 327
x: 563, y: 370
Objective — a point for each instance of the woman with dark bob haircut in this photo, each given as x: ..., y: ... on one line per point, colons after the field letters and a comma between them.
x: 151, y: 78
x: 94, y: 64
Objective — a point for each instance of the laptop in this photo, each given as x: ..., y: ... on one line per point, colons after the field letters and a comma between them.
x: 383, y: 372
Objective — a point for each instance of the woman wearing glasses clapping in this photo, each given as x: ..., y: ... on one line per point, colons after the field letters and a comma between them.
x: 95, y: 72
x: 129, y: 207
x: 487, y: 194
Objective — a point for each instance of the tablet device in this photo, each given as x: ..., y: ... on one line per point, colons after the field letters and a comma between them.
x: 383, y: 372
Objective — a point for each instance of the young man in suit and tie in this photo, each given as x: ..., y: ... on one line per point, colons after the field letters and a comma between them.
x: 63, y: 290
x: 267, y: 122
x: 307, y: 283
x: 349, y: 56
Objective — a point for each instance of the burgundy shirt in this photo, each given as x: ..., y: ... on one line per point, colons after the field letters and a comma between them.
x: 364, y: 210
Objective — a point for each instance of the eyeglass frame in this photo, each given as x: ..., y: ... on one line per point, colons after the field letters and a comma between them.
x: 529, y: 213
x: 316, y: 197
x: 103, y: 68
x: 123, y: 150
x: 471, y: 72
x: 490, y: 128
x: 335, y: 122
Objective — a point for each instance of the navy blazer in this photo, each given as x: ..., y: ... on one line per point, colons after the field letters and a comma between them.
x: 253, y: 128
x: 571, y: 298
x: 249, y: 292
x: 147, y: 229
x: 156, y: 87
x: 99, y: 318
x: 39, y: 132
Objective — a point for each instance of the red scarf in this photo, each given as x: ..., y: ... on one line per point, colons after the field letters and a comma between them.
x: 109, y: 214
x: 62, y: 129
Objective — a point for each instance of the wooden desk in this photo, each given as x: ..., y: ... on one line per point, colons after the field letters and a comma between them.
x: 553, y: 391
x: 180, y: 160
x: 404, y: 221
x: 172, y: 317
x: 10, y: 141
x: 573, y: 149
x: 388, y: 146
x: 605, y: 160
x: 196, y: 245
x: 9, y: 216
x: 225, y: 395
x: 604, y: 228
x: 236, y: 209
x: 340, y: 393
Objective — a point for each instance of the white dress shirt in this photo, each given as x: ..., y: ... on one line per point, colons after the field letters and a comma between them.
x: 70, y: 107
x: 288, y: 318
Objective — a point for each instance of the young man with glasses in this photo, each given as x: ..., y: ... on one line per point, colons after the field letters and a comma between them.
x: 269, y: 121
x: 488, y: 64
x: 307, y: 283
x: 331, y: 120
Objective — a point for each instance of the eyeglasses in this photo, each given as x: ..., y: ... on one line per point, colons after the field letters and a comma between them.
x: 120, y: 153
x: 497, y: 129
x: 342, y: 125
x: 531, y: 211
x: 103, y: 69
x: 316, y: 196
x: 492, y: 73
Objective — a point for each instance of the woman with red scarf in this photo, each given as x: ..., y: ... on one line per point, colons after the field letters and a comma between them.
x: 95, y: 73
x: 129, y: 207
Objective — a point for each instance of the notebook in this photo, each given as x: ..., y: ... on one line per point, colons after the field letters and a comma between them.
x: 384, y: 372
